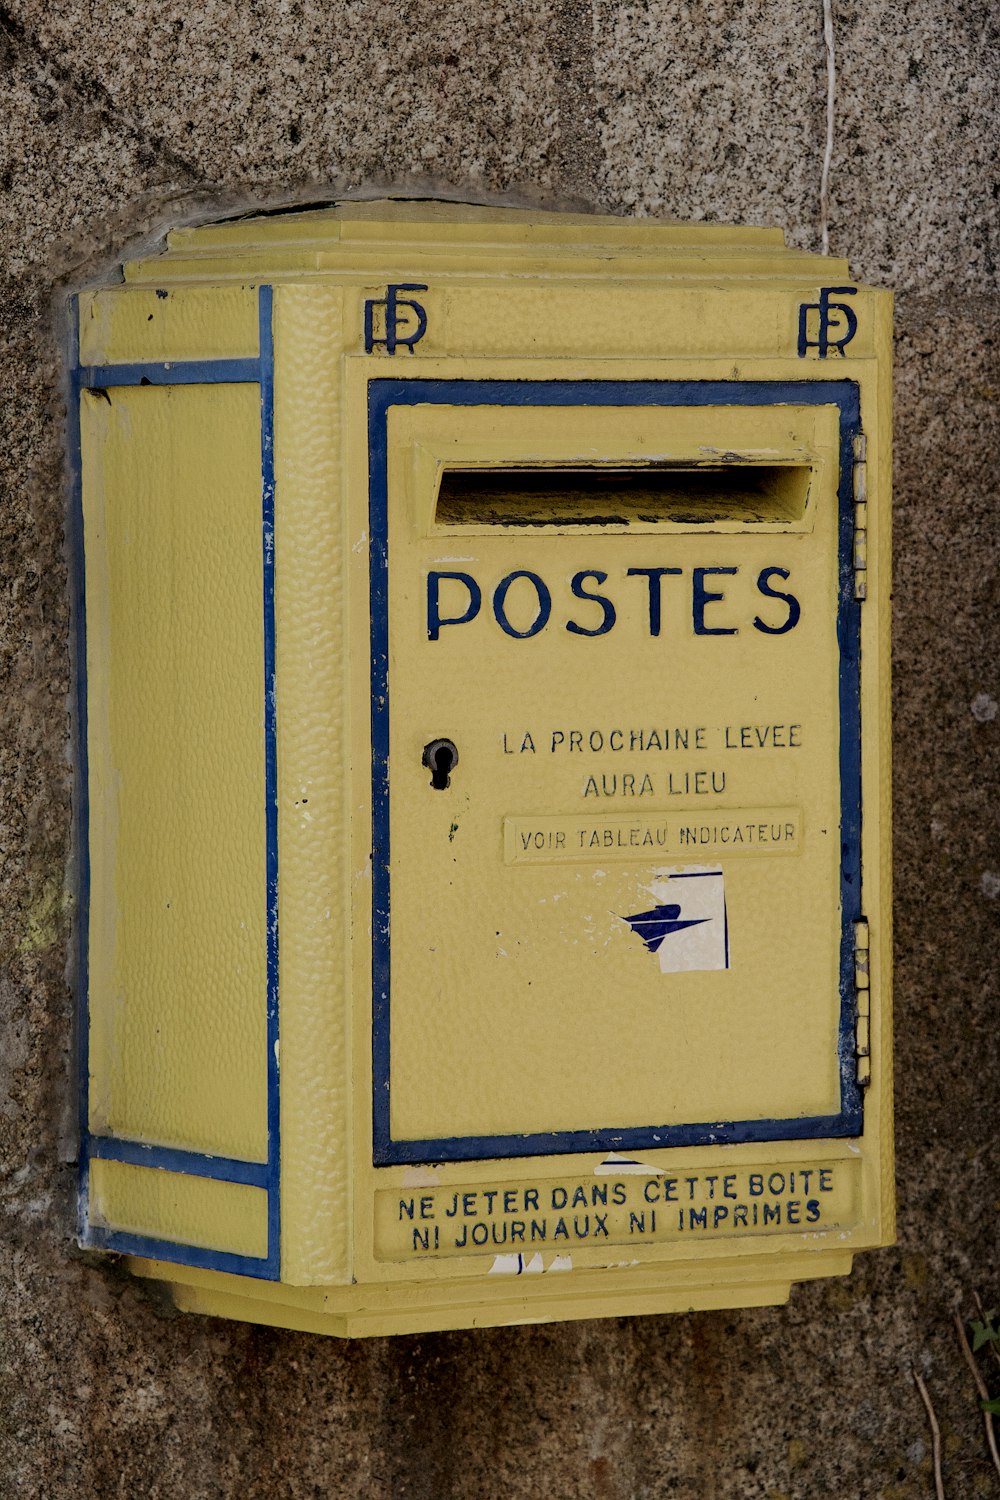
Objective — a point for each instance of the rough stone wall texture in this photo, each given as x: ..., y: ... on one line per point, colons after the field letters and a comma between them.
x: 118, y: 116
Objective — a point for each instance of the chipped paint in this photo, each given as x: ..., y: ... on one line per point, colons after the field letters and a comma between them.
x: 522, y: 1265
x: 615, y: 1165
x: 421, y: 1176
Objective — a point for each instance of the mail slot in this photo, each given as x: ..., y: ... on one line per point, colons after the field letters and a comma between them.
x: 482, y: 668
x: 603, y: 496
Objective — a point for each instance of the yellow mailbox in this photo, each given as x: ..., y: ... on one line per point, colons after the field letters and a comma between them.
x: 484, y: 766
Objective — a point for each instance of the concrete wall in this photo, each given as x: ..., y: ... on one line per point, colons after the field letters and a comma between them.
x: 121, y: 116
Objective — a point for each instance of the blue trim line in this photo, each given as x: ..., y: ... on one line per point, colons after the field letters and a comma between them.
x: 174, y: 372
x: 265, y: 310
x: 187, y: 1163
x: 122, y: 1243
x: 386, y: 393
x: 266, y: 1175
x: 648, y: 1137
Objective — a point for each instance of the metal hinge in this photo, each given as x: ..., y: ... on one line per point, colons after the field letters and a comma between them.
x: 860, y: 517
x: 862, y: 1003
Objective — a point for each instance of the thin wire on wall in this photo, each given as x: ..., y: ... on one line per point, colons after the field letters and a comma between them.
x: 831, y: 89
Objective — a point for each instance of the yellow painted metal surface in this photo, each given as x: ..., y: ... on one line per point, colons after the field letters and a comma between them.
x: 179, y: 1207
x: 198, y: 323
x: 602, y: 1025
x: 171, y: 483
x: 313, y: 766
x: 553, y: 982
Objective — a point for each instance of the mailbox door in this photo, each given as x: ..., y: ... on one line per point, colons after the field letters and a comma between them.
x: 616, y: 768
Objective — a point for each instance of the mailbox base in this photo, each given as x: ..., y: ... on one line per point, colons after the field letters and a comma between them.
x: 375, y: 1311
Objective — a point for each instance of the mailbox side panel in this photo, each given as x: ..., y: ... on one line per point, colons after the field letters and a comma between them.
x: 178, y: 824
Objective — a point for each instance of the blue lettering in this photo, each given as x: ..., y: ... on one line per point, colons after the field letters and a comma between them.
x: 653, y: 575
x: 794, y: 607
x: 579, y: 592
x: 702, y: 596
x: 500, y: 600
x: 434, y: 617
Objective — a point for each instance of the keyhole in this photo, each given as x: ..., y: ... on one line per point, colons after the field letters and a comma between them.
x: 440, y: 757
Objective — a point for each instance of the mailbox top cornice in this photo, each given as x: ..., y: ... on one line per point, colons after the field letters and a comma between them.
x: 352, y: 240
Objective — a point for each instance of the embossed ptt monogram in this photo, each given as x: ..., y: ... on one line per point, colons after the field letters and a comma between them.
x: 407, y: 330
x: 832, y: 318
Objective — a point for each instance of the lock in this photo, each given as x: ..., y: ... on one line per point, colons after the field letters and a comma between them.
x: 483, y: 766
x: 441, y: 758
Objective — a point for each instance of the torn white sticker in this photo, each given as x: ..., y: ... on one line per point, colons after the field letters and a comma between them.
x: 688, y: 927
x: 520, y: 1265
x: 614, y: 1165
x: 507, y: 1265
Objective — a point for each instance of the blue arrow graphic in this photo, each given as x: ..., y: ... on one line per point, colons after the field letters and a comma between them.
x: 653, y: 926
